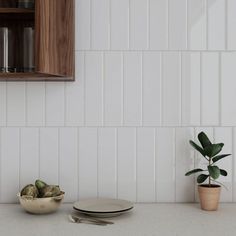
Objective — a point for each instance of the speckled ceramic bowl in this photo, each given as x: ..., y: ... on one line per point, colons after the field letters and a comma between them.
x: 41, y: 205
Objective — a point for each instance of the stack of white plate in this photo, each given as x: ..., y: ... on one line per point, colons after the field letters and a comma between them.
x: 103, y: 207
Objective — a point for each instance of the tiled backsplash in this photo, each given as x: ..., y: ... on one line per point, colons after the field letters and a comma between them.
x: 150, y: 75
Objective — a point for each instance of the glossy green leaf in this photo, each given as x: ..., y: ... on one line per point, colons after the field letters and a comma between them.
x: 198, y: 148
x: 214, y: 171
x: 213, y: 149
x: 193, y: 172
x: 201, y: 178
x: 204, y: 140
x: 217, y: 158
x: 223, y: 172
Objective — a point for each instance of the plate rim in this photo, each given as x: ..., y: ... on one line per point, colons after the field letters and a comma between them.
x: 102, y: 212
x: 131, y: 205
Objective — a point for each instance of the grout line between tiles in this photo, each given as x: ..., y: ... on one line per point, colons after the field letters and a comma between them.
x: 117, y: 168
x: 207, y: 25
x: 98, y: 161
x: 91, y: 23
x: 20, y: 154
x: 122, y: 90
x: 65, y: 104
x: 134, y: 126
x: 78, y: 163
x: 58, y: 155
x: 186, y: 25
x: 153, y: 50
x: 1, y: 165
x: 38, y: 129
x: 85, y: 100
x: 233, y: 163
x: 219, y: 89
x: 180, y: 87
x: 148, y: 25
x: 142, y: 89
x: 168, y: 24
x: 109, y: 27
x: 129, y: 25
x: 160, y: 91
x: 226, y: 25
x: 201, y: 87
x: 154, y: 165
x: 174, y: 144
x: 26, y: 104
x: 136, y: 165
x: 115, y: 162
x: 103, y: 88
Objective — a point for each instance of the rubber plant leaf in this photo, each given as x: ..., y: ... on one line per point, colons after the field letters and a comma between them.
x: 204, y: 140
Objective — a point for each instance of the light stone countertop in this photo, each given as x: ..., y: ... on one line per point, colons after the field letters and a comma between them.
x: 144, y: 220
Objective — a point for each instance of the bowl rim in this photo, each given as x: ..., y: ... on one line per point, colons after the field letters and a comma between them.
x: 59, y: 197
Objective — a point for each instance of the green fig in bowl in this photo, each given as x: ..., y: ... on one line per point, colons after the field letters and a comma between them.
x: 30, y: 190
x: 50, y: 191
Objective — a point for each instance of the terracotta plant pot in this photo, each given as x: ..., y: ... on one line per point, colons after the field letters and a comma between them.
x: 209, y: 196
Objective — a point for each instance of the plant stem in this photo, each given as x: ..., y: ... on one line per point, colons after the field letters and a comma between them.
x: 209, y: 176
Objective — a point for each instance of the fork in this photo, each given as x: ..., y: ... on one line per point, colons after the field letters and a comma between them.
x: 76, y: 219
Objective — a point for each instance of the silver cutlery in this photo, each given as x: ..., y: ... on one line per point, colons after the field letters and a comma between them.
x: 76, y: 219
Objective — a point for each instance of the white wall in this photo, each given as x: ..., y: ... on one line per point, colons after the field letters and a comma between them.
x: 150, y: 75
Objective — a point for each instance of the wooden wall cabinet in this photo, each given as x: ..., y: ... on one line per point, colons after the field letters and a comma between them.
x: 53, y: 25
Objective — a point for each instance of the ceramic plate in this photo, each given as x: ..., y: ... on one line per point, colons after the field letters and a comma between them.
x: 103, y: 207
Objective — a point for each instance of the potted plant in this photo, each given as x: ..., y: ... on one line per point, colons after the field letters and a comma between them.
x: 209, y: 192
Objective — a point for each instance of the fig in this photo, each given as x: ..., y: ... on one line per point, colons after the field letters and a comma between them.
x: 50, y: 191
x: 30, y: 190
x: 40, y: 184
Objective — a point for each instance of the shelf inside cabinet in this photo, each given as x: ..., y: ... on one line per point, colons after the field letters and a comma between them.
x: 16, y: 10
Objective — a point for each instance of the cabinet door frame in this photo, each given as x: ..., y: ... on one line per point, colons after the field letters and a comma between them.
x: 55, y: 38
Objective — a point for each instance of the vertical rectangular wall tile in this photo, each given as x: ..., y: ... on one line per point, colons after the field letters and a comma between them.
x: 3, y: 104
x: 165, y: 165
x: 100, y: 24
x: 29, y: 156
x: 82, y: 25
x: 146, y: 161
x: 88, y: 163
x: 231, y: 20
x: 228, y: 86
x: 132, y: 88
x: 159, y: 24
x: 55, y: 104
x: 197, y: 24
x: 177, y: 25
x: 35, y: 104
x: 151, y: 89
x: 49, y: 155
x: 171, y: 89
x: 113, y: 89
x: 210, y: 97
x: 10, y: 162
x: 107, y: 157
x: 119, y: 24
x: 93, y: 88
x: 126, y: 164
x: 16, y: 104
x: 224, y: 135
x: 216, y: 24
x: 74, y: 95
x: 184, y: 162
x: 191, y: 89
x: 139, y: 24
x: 68, y: 163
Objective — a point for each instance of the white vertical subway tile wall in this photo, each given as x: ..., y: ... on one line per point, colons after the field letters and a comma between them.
x: 150, y: 75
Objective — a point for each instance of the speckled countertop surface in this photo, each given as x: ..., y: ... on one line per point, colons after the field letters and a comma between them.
x: 144, y: 220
